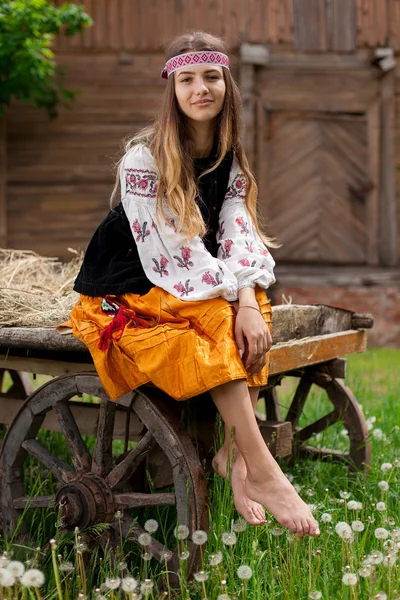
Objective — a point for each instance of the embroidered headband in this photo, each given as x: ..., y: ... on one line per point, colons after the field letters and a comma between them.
x: 203, y: 57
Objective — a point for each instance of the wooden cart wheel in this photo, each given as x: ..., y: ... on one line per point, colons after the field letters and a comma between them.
x: 92, y: 488
x: 21, y: 385
x: 309, y: 431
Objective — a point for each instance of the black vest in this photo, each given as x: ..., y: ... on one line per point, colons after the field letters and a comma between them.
x: 112, y: 265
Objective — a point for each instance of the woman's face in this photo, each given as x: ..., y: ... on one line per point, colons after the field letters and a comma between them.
x: 200, y: 91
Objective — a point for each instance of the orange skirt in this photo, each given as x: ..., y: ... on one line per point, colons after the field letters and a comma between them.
x: 184, y: 348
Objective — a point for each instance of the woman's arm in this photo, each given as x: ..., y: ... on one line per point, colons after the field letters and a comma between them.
x: 184, y: 269
x: 240, y: 246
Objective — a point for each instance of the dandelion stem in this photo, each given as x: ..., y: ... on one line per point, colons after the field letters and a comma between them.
x: 56, y: 571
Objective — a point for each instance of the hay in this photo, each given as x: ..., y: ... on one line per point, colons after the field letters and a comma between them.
x: 36, y: 291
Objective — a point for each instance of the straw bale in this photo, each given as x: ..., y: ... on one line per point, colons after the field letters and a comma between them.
x: 36, y: 291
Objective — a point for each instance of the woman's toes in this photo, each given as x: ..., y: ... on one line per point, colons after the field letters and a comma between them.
x: 314, y: 528
x: 306, y: 524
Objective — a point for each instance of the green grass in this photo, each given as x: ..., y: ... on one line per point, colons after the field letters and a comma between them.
x: 283, y: 567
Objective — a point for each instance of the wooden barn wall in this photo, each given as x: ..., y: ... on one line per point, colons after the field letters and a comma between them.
x: 59, y: 173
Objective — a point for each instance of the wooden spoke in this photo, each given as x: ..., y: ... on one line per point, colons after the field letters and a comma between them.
x: 102, y: 453
x: 125, y: 469
x: 298, y: 402
x: 58, y: 467
x: 324, y: 454
x: 25, y: 502
x: 304, y: 434
x: 136, y: 500
x: 80, y: 455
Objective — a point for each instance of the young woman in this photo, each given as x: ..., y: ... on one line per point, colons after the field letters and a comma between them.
x: 173, y: 281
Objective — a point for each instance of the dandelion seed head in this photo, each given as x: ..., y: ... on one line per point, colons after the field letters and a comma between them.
x: 223, y: 597
x: 350, y: 579
x: 395, y: 533
x: 385, y: 467
x: 381, y: 506
x: 151, y: 525
x: 380, y: 596
x: 297, y: 487
x: 375, y: 557
x: 228, y: 538
x: 377, y: 434
x: 239, y: 525
x: 310, y: 492
x: 112, y: 583
x: 277, y: 531
x: 216, y: 559
x: 144, y: 539
x: 82, y: 596
x: 118, y: 515
x: 315, y: 595
x: 383, y: 485
x: 147, y: 556
x: 181, y: 532
x: 344, y: 495
x: 146, y: 586
x: 165, y: 555
x: 16, y: 568
x: 326, y: 518
x: 184, y: 555
x: 7, y: 579
x: 244, y: 572
x: 33, y: 578
x: 199, y: 537
x: 201, y: 576
x: 389, y: 546
x: 381, y: 533
x: 357, y: 526
x: 289, y: 476
x: 344, y: 530
x: 365, y: 571
x: 66, y: 567
x: 352, y: 505
x: 389, y: 560
x: 128, y: 584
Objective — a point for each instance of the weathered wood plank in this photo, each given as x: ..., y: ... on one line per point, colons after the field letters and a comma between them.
x: 341, y: 25
x: 288, y: 321
x: 293, y: 355
x: 388, y: 203
x: 310, y: 25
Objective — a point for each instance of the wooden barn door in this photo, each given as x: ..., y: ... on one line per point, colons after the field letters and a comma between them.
x: 314, y: 185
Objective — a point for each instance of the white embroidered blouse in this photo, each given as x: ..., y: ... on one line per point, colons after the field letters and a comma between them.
x: 187, y: 270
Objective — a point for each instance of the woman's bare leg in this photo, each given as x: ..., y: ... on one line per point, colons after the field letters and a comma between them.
x: 265, y: 482
x: 252, y: 511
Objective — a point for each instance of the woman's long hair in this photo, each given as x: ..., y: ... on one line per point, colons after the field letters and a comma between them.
x: 172, y: 148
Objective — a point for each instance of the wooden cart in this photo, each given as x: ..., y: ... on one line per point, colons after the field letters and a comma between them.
x: 309, y: 342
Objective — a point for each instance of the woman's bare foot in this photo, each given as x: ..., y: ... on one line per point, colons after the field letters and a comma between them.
x: 251, y: 511
x: 276, y: 493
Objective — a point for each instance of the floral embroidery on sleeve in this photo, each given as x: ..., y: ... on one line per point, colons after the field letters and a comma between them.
x: 221, y: 230
x: 237, y: 189
x: 184, y: 261
x: 140, y: 230
x: 244, y: 226
x: 184, y: 290
x: 209, y: 279
x: 246, y: 263
x: 226, y: 249
x: 249, y: 246
x: 141, y: 182
x: 161, y: 267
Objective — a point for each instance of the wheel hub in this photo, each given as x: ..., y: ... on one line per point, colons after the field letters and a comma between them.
x: 85, y: 501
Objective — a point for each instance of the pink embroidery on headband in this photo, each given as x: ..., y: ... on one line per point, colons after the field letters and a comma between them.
x: 204, y: 57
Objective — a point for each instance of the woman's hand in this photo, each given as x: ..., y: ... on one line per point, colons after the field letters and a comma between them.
x: 252, y: 337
